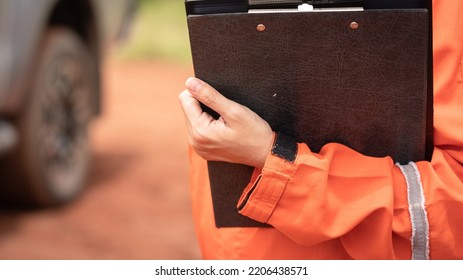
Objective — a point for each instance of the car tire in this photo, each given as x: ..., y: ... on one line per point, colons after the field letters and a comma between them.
x: 51, y: 163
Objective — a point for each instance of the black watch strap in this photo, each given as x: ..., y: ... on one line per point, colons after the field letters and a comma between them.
x: 284, y: 147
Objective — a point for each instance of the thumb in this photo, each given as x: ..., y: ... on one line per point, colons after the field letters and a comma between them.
x: 207, y: 95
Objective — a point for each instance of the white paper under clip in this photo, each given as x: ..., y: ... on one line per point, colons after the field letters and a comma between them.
x: 266, y: 11
x: 305, y: 8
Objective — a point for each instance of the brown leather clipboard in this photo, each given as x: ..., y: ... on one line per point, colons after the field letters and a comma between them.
x: 316, y: 77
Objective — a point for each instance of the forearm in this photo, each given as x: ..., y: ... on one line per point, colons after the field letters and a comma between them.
x: 339, y: 193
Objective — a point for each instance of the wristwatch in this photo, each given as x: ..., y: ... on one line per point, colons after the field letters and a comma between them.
x: 285, y: 147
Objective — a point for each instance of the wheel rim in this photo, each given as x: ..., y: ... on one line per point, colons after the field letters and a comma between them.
x: 64, y: 115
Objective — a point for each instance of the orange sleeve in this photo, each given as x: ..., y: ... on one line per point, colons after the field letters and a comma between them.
x: 339, y: 193
x: 336, y: 193
x: 362, y: 200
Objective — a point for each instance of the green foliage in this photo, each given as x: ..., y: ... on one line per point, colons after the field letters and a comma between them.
x: 159, y: 31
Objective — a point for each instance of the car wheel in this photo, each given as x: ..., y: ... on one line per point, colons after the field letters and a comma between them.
x: 51, y: 163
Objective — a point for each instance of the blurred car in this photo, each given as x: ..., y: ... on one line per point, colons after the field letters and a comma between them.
x: 50, y: 89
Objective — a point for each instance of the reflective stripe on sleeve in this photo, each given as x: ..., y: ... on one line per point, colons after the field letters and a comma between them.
x: 418, y: 215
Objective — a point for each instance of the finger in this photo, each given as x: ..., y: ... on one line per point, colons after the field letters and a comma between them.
x: 210, y: 97
x: 192, y: 110
x: 190, y: 105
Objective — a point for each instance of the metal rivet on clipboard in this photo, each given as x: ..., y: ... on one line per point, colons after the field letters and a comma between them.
x: 354, y: 25
x: 261, y: 27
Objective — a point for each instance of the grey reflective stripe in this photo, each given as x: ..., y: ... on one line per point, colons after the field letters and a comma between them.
x: 418, y: 215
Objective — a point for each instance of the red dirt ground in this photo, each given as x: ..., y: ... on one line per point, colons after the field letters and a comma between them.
x: 136, y: 204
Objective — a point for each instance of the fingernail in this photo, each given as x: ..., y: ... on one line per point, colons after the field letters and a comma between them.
x: 194, y: 84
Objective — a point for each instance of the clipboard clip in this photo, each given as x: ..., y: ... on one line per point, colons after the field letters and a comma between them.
x: 266, y: 6
x: 293, y: 4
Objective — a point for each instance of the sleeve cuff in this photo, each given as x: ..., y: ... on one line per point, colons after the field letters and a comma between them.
x: 262, y: 194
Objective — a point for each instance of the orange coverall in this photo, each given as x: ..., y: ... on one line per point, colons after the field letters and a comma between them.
x: 339, y: 204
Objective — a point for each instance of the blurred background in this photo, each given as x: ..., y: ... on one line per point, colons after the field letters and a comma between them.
x: 134, y: 203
